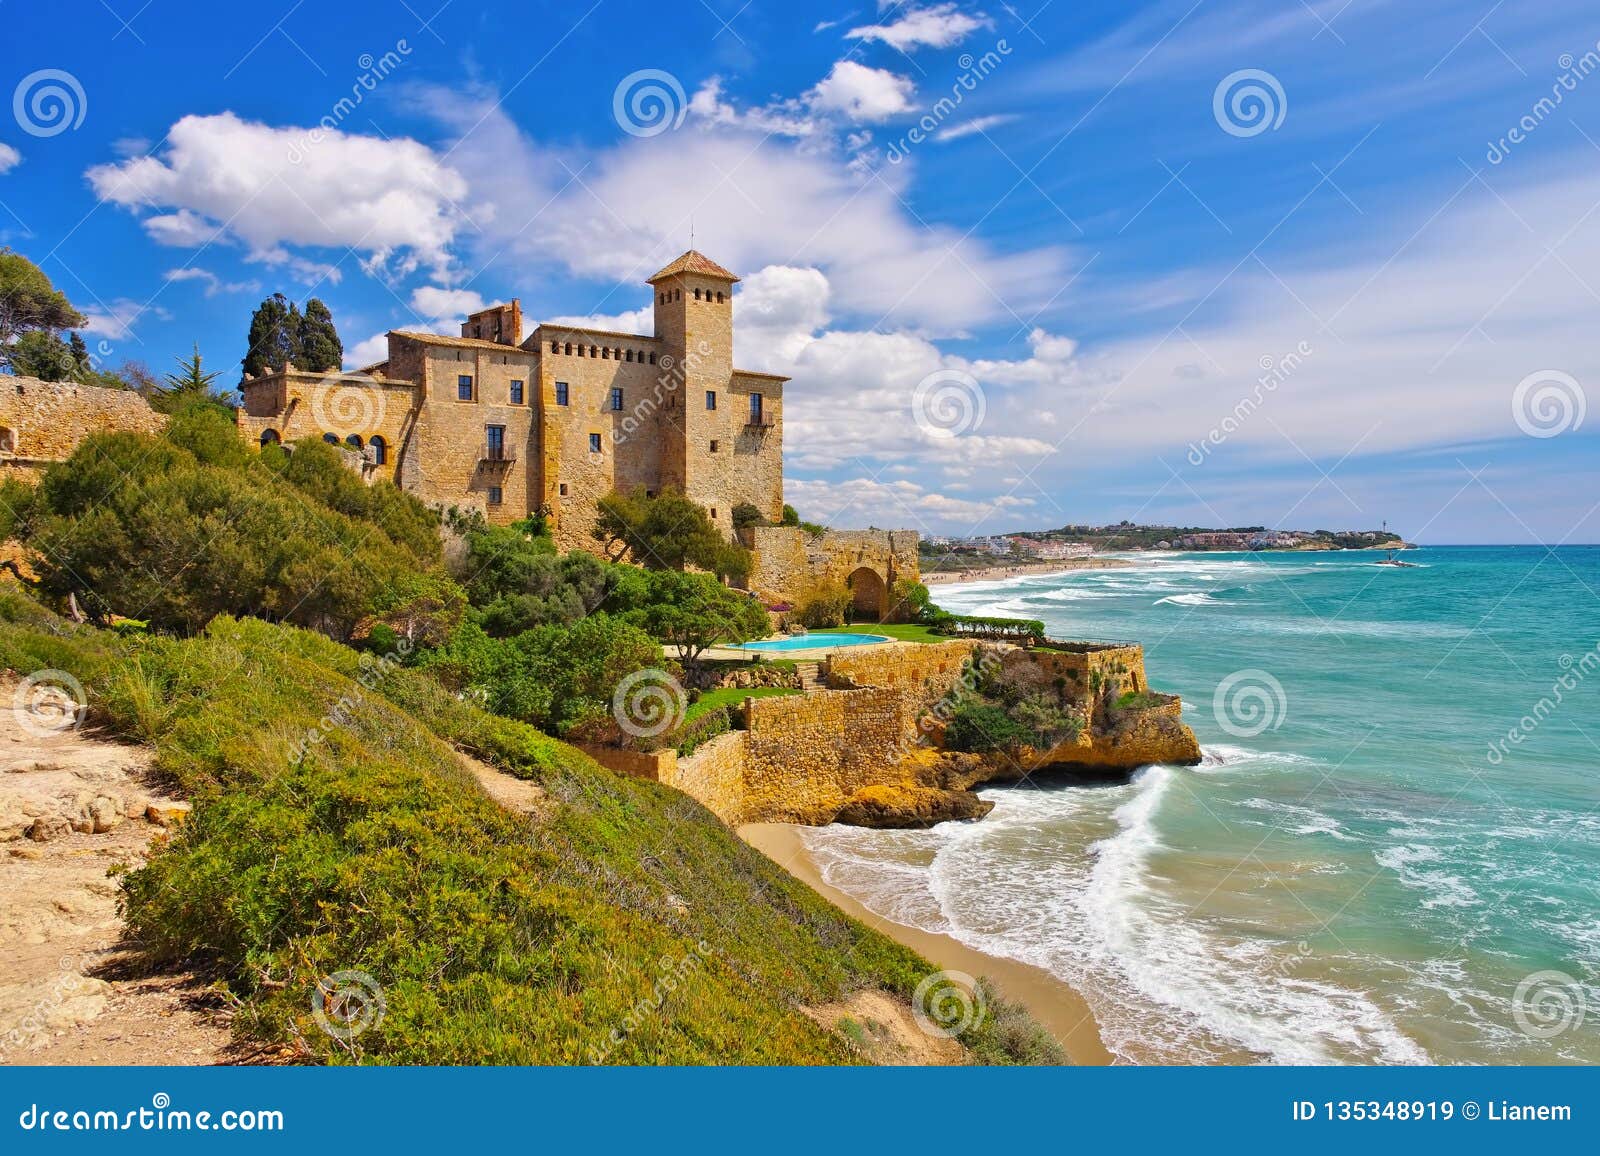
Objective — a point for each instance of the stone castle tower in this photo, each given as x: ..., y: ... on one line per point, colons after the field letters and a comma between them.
x: 551, y: 423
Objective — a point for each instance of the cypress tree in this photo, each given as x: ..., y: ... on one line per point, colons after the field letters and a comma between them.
x: 320, y: 347
x: 274, y: 336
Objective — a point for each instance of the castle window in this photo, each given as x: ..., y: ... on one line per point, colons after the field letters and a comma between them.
x: 755, y: 409
x: 563, y: 489
x: 555, y: 347
x: 616, y: 400
x: 719, y: 296
x: 354, y: 442
x: 496, y: 495
x: 569, y: 349
x: 697, y: 294
x: 380, y: 450
x: 629, y: 355
x: 464, y: 387
x: 581, y: 352
x: 711, y: 399
x: 593, y: 352
x: 605, y: 354
x: 8, y: 440
x: 331, y: 439
x: 652, y: 359
x: 713, y: 513
x: 561, y: 393
x: 594, y: 443
x: 516, y: 393
x: 494, y: 437
x: 713, y: 445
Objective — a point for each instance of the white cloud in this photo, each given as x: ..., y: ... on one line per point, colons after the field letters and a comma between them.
x: 10, y: 158
x: 864, y: 95
x: 393, y: 201
x: 755, y: 201
x: 937, y: 27
x: 781, y: 118
x: 901, y: 504
x: 183, y: 229
x: 446, y: 309
x: 116, y: 319
x: 368, y: 352
x: 213, y: 284
x: 641, y: 321
x: 972, y: 127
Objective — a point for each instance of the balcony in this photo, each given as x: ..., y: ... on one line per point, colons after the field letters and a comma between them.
x: 490, y: 454
x: 760, y: 421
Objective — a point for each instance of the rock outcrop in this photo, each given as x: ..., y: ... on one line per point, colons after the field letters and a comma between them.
x: 886, y: 805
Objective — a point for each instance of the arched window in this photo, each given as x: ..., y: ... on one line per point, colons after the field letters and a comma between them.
x: 697, y: 294
x: 569, y: 349
x: 593, y: 352
x: 380, y: 450
x: 331, y: 439
x: 269, y: 437
x: 555, y: 347
x: 354, y: 442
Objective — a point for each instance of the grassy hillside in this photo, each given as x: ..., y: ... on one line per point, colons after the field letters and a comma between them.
x: 624, y: 924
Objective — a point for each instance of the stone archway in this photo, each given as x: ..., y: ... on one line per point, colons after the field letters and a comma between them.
x: 870, y: 594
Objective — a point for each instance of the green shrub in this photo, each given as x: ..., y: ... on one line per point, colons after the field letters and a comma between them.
x: 981, y: 728
x: 825, y: 603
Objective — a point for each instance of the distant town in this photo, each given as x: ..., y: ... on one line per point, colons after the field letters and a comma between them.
x: 1081, y: 541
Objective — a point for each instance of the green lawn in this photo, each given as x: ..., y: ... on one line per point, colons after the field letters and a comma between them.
x: 727, y: 695
x: 900, y: 632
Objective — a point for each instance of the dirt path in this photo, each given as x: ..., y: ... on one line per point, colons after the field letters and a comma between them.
x: 72, y: 807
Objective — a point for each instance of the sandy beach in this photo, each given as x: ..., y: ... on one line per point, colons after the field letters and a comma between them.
x: 1016, y: 569
x: 1054, y: 1004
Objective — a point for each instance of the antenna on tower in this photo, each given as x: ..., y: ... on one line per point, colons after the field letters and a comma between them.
x: 691, y: 230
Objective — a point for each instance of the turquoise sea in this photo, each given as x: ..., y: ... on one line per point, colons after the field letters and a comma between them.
x: 1365, y: 869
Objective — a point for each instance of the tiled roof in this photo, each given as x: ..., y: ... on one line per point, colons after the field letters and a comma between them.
x: 693, y: 261
x: 554, y: 327
x: 455, y: 342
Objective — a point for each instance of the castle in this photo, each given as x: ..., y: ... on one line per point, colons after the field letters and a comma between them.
x: 545, y: 425
x: 552, y: 423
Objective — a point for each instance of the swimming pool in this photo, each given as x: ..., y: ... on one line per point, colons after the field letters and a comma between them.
x: 812, y: 642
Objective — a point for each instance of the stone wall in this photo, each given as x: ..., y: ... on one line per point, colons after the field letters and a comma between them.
x: 1086, y: 666
x: 788, y: 560
x: 807, y: 754
x: 924, y: 672
x: 294, y: 405
x: 715, y: 775
x: 43, y: 421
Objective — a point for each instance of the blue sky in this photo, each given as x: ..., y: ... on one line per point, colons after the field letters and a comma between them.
x: 1026, y: 264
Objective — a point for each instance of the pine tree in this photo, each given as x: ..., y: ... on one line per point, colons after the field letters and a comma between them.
x: 181, y: 389
x: 320, y: 347
x: 274, y: 336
